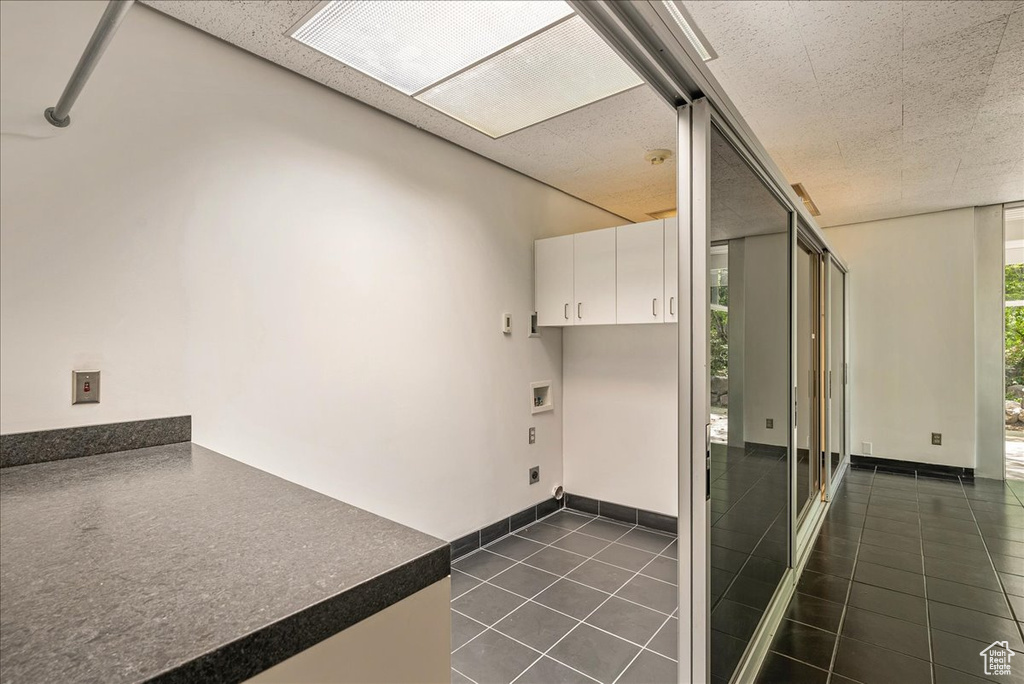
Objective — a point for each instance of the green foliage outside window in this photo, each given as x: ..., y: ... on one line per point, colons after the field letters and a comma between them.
x: 1014, y: 285
x: 720, y: 332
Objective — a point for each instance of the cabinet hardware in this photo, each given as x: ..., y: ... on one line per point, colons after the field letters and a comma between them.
x: 566, y: 311
x: 671, y: 306
x: 579, y: 311
x: 654, y: 307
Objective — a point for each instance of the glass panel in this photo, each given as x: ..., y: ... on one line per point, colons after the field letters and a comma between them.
x: 748, y: 261
x: 1013, y: 289
x: 718, y: 282
x: 807, y: 480
x: 837, y: 378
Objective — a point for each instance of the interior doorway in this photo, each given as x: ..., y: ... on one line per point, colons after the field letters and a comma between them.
x: 1013, y: 339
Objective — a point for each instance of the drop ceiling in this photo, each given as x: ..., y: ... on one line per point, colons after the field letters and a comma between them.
x: 880, y: 109
x: 595, y: 152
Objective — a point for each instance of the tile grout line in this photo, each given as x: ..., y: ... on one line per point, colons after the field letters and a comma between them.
x: 924, y: 582
x: 590, y: 518
x: 463, y: 675
x: 575, y: 619
x: 644, y: 648
x: 530, y: 600
x: 992, y: 564
x: 522, y: 561
x: 575, y: 627
x: 849, y: 590
x: 519, y: 562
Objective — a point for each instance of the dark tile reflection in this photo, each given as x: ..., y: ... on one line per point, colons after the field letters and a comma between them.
x: 748, y: 544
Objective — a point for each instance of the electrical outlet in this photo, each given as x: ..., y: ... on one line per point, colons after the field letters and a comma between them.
x: 534, y: 475
x: 769, y: 423
x: 937, y: 439
x: 533, y: 435
x: 866, y: 447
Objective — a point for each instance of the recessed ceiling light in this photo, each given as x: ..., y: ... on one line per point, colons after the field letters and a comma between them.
x: 560, y: 69
x: 413, y: 44
x: 690, y: 30
x: 808, y: 202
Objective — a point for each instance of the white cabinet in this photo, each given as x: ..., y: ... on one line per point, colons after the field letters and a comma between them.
x: 594, y: 277
x: 640, y: 272
x: 553, y: 296
x: 623, y: 275
x: 672, y: 270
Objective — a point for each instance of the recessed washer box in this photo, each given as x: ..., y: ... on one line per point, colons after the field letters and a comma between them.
x: 85, y: 387
x: 541, y: 397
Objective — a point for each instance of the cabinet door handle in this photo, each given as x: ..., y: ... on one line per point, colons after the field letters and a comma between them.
x: 566, y: 311
x: 579, y: 311
x: 654, y: 307
x: 671, y: 306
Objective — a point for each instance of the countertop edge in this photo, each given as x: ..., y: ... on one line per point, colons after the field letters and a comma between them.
x: 272, y: 644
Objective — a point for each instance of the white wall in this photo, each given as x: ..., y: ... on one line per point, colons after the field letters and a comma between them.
x: 318, y: 284
x: 766, y: 339
x: 621, y: 389
x: 620, y: 417
x: 912, y: 369
x: 91, y: 244
x: 989, y: 345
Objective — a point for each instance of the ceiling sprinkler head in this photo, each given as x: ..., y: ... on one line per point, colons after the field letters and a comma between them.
x: 656, y: 157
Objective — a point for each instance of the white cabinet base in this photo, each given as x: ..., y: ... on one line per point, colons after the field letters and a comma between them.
x: 407, y: 642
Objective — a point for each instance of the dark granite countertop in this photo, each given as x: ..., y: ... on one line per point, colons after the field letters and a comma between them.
x: 175, y: 563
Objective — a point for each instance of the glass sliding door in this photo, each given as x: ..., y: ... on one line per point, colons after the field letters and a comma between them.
x: 747, y: 399
x: 838, y: 449
x: 809, y: 476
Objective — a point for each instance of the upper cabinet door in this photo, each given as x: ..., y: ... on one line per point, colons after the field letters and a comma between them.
x: 594, y: 276
x: 640, y: 272
x: 553, y: 297
x: 672, y: 270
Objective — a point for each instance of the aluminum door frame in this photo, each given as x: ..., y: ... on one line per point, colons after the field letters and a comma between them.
x: 844, y: 379
x: 805, y: 530
x: 693, y: 177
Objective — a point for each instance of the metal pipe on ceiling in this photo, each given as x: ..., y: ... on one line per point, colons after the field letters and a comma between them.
x: 113, y: 15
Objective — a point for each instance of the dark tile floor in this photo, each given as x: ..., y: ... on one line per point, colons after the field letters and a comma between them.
x: 748, y: 546
x: 908, y: 581
x: 572, y: 598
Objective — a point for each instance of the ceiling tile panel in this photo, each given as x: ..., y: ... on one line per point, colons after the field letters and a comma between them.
x: 925, y: 21
x: 881, y: 109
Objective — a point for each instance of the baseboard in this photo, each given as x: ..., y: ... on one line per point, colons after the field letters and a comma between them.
x: 889, y: 465
x: 25, y: 448
x: 628, y: 514
x: 485, y: 535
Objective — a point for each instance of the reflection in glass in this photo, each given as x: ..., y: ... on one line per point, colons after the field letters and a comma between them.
x: 749, y: 367
x: 807, y: 478
x: 836, y: 379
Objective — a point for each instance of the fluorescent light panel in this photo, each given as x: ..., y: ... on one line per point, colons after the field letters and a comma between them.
x: 558, y: 70
x: 690, y: 30
x: 412, y: 44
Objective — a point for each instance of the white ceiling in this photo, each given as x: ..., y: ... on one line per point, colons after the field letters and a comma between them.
x: 595, y: 153
x: 880, y: 109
